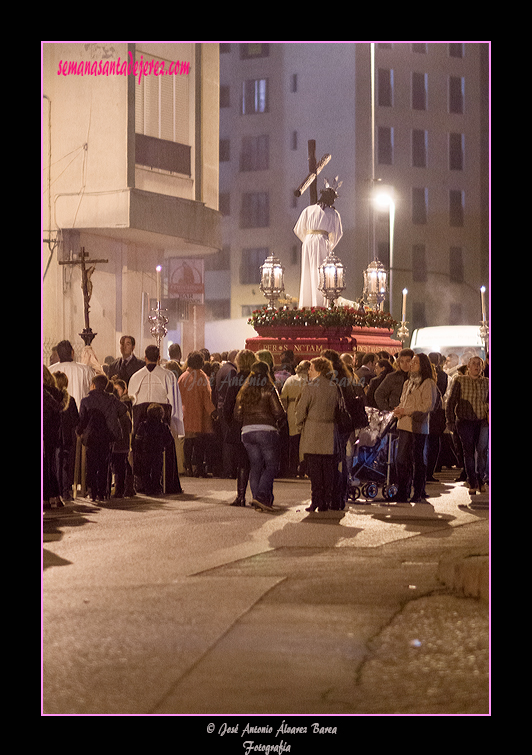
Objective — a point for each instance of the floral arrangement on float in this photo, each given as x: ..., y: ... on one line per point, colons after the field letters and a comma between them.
x: 344, y: 318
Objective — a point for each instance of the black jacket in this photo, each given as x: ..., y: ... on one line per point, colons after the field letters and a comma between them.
x: 99, y: 421
x: 125, y: 371
x: 388, y: 394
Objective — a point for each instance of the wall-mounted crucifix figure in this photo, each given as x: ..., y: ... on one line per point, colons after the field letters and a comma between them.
x: 319, y: 228
x: 86, y: 286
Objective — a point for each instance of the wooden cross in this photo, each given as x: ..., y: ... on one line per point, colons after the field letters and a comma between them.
x: 86, y: 286
x: 314, y: 170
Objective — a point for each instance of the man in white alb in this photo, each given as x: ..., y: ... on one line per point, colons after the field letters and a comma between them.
x: 79, y: 375
x: 319, y: 227
x: 154, y: 385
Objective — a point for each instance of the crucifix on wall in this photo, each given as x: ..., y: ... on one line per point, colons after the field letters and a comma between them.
x: 86, y: 286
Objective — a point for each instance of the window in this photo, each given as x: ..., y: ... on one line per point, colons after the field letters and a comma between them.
x: 383, y: 252
x: 456, y: 264
x: 293, y: 82
x: 419, y: 263
x: 224, y: 203
x: 252, y: 259
x: 224, y: 96
x: 220, y: 260
x: 419, y: 206
x: 254, y: 96
x: 456, y: 208
x: 225, y: 150
x: 255, y: 211
x: 255, y: 153
x: 218, y: 309
x: 456, y: 49
x: 456, y: 151
x: 419, y: 91
x: 254, y: 50
x: 419, y: 315
x: 456, y: 94
x: 419, y: 47
x: 385, y: 145
x: 455, y: 314
x: 293, y: 140
x: 162, y: 106
x: 419, y: 148
x: 385, y: 87
x: 162, y: 127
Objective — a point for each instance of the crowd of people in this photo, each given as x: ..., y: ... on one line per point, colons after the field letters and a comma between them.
x: 140, y: 424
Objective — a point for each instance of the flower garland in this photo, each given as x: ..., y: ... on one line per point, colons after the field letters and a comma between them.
x: 336, y: 317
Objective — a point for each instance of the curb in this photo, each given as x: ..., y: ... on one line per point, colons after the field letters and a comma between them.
x: 468, y: 576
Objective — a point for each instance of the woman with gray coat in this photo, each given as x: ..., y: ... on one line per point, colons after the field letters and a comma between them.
x: 315, y: 415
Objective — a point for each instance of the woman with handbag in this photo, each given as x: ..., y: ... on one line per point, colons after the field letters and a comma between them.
x: 315, y: 415
x: 244, y: 361
x: 350, y: 416
x: 259, y: 410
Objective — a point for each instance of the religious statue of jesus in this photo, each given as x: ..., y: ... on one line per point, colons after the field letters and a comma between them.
x: 319, y: 228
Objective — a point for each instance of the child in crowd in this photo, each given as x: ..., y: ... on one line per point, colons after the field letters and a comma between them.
x: 151, y: 439
x: 119, y: 456
x: 66, y: 453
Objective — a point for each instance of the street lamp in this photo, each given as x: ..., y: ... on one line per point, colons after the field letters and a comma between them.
x: 375, y: 280
x: 331, y: 278
x: 384, y: 199
x: 271, y: 279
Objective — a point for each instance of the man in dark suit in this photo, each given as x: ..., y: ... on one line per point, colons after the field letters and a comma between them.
x: 126, y: 365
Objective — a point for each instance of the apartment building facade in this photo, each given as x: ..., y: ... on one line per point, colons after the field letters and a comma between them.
x: 421, y: 130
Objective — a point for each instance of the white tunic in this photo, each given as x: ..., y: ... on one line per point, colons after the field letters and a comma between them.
x: 315, y: 249
x: 159, y: 387
x: 79, y: 378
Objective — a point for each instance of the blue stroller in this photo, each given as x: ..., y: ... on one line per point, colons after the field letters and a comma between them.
x: 373, y: 459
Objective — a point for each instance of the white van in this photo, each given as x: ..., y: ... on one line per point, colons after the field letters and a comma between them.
x: 448, y: 339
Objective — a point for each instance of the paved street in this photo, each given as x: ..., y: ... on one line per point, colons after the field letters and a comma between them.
x: 185, y: 605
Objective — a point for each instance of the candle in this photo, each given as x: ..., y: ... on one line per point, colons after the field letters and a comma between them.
x: 483, y: 302
x: 158, y: 282
x: 405, y: 291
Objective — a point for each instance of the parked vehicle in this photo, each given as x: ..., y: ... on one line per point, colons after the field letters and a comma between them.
x: 449, y: 339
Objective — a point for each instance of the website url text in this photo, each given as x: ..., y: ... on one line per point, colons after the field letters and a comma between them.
x: 125, y: 68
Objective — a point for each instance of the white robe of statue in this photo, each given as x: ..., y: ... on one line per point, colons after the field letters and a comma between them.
x: 315, y: 248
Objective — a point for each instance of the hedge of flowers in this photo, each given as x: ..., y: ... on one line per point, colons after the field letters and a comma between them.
x: 336, y: 317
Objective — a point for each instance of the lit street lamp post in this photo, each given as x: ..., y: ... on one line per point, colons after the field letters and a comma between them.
x: 383, y: 198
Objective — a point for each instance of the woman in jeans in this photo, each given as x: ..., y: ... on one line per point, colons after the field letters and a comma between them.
x: 259, y: 410
x: 417, y: 401
x: 244, y: 360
